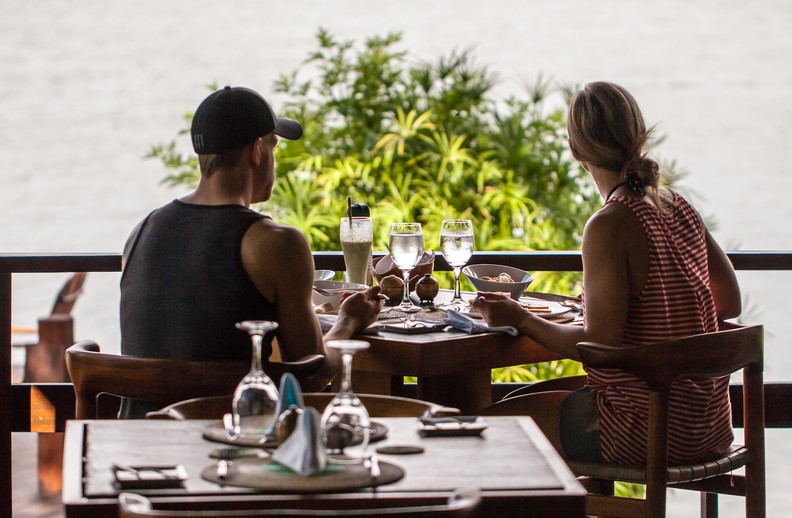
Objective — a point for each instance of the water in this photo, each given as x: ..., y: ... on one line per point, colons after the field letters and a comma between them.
x: 86, y: 88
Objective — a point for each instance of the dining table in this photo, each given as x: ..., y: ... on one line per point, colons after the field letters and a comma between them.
x: 452, y: 367
x: 509, y: 461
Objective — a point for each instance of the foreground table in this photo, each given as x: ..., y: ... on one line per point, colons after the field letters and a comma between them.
x: 453, y: 368
x: 515, y: 467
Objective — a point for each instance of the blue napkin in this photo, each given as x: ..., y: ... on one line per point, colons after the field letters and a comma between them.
x: 290, y: 395
x: 470, y: 325
x: 304, y: 452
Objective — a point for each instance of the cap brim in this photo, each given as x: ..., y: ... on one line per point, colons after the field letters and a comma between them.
x: 288, y: 129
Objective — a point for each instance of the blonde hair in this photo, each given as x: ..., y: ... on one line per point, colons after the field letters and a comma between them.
x: 607, y: 129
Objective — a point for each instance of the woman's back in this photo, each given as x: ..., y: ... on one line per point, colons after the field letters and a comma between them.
x: 675, y: 300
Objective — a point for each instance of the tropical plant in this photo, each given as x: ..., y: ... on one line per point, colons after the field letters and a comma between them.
x: 424, y: 142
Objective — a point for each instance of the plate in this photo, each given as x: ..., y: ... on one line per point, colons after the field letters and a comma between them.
x: 544, y: 308
x: 268, y: 475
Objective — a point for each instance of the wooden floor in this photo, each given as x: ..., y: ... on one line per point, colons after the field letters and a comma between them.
x: 27, y: 502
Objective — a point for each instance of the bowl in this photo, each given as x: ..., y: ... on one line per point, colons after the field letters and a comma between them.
x: 475, y: 272
x: 383, y: 266
x: 324, y: 275
x: 333, y: 292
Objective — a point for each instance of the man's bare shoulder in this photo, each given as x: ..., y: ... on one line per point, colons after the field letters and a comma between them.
x: 270, y: 231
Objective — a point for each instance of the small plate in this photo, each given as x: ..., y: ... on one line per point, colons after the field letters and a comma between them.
x: 452, y: 426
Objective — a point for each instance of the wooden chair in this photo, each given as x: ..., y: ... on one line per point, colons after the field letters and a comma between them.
x: 460, y: 503
x: 161, y: 381
x: 44, y: 358
x: 700, y: 356
x: 377, y: 406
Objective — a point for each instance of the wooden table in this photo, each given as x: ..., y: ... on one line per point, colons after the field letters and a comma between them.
x: 453, y: 368
x: 513, y: 464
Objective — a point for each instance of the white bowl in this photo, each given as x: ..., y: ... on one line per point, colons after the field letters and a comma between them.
x: 337, y: 289
x: 522, y: 279
x: 324, y: 275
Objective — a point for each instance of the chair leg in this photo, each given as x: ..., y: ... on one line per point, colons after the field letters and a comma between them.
x: 709, y: 505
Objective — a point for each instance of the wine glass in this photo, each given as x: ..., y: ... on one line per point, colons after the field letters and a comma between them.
x: 457, y: 243
x: 406, y: 247
x: 345, y: 421
x: 256, y: 396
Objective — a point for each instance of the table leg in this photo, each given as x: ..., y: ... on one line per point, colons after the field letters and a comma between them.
x: 469, y: 392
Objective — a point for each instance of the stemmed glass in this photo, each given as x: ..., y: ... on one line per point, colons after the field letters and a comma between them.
x: 456, y: 243
x: 345, y: 421
x: 406, y: 247
x: 256, y: 396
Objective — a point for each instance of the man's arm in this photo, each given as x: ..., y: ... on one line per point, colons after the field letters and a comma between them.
x: 279, y: 262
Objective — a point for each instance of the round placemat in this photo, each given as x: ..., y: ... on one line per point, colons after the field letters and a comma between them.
x: 216, y: 433
x: 268, y: 475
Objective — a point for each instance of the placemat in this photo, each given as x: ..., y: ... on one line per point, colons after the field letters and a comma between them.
x: 268, y: 475
x: 216, y: 433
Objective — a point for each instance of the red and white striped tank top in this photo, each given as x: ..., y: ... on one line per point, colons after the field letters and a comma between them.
x: 675, y: 302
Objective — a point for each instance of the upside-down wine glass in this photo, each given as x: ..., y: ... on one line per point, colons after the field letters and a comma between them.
x: 457, y: 243
x: 406, y: 247
x: 345, y: 421
x: 256, y: 396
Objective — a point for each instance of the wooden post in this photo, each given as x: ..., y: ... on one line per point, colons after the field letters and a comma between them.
x: 45, y: 363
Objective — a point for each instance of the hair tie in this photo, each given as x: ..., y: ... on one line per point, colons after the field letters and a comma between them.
x: 635, y: 184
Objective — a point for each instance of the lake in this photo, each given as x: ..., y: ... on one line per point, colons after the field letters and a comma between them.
x: 87, y: 87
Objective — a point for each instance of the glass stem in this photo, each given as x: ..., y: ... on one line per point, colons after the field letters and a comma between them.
x: 256, y: 365
x: 346, y: 381
x: 406, y: 298
x: 457, y: 291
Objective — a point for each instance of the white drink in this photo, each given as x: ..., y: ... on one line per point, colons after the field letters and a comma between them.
x: 405, y: 249
x: 356, y: 258
x: 456, y: 249
x: 356, y: 244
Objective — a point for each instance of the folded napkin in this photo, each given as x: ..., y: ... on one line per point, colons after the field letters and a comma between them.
x: 290, y: 396
x: 470, y: 325
x: 304, y: 452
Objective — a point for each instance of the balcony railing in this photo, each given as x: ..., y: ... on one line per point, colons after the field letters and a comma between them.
x: 17, y: 400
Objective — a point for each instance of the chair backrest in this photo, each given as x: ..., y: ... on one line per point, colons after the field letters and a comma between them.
x: 158, y: 380
x: 462, y: 502
x: 707, y: 355
x: 68, y: 295
x: 376, y: 404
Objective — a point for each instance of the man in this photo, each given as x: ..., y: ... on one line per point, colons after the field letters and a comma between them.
x: 198, y: 265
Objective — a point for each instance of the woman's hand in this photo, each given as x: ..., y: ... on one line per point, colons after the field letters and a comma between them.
x: 500, y: 310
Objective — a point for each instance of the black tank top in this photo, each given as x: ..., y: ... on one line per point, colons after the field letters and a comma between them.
x: 184, y: 286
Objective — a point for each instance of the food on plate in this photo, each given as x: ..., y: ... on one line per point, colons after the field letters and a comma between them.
x: 503, y: 277
x: 535, y: 308
x: 323, y: 308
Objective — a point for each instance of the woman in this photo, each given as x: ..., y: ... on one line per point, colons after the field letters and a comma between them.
x: 651, y: 272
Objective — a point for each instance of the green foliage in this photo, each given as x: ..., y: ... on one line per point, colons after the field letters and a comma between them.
x: 424, y: 142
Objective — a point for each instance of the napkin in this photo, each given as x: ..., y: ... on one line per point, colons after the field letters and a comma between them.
x: 304, y: 452
x: 290, y: 396
x: 470, y: 325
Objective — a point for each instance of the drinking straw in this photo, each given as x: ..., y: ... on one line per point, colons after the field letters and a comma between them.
x: 349, y: 211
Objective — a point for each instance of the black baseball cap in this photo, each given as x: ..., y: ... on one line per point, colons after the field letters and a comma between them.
x: 235, y: 116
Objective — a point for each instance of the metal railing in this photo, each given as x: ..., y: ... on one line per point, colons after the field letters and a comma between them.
x: 15, y: 399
